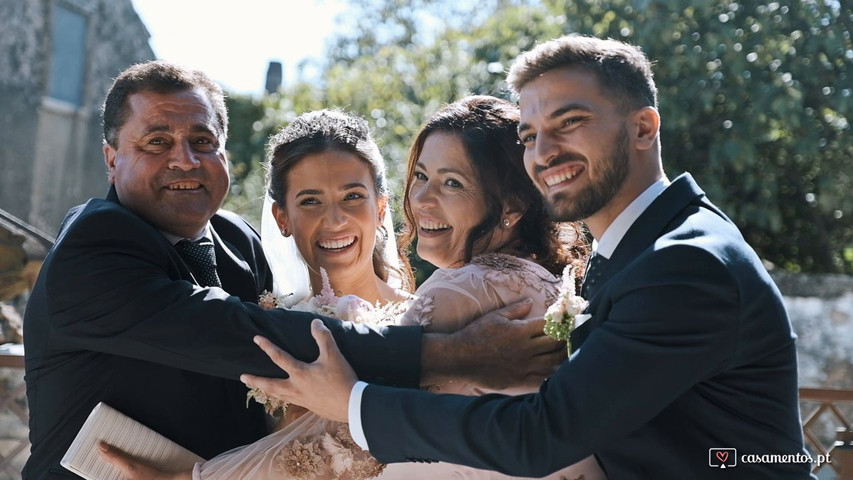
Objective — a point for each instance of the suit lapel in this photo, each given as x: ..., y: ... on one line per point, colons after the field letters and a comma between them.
x: 236, y: 275
x: 652, y: 223
x: 648, y: 227
x: 234, y: 272
x: 184, y: 271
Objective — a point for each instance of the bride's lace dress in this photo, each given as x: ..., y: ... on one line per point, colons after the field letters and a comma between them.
x: 308, y: 448
x: 311, y: 448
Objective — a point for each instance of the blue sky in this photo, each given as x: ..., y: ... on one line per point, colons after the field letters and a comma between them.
x: 233, y: 41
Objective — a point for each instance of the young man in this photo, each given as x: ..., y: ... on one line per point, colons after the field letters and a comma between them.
x: 689, y: 348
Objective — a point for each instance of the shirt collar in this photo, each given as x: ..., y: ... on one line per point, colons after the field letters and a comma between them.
x: 620, y: 225
x: 173, y: 239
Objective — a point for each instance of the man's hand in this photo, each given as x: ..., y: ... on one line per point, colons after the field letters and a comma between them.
x: 323, y: 386
x: 131, y: 469
x: 495, y: 351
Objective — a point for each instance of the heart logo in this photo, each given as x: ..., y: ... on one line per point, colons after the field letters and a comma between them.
x: 722, y: 456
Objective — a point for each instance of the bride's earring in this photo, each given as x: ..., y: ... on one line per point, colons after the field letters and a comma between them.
x: 506, y: 223
x: 285, y: 232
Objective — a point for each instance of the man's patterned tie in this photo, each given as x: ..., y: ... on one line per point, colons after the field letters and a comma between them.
x: 201, y: 259
x: 593, y: 272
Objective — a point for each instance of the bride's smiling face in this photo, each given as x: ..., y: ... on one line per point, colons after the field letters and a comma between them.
x: 332, y: 210
x: 447, y: 200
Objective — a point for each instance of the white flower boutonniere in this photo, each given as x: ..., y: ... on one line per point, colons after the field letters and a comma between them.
x: 565, y: 314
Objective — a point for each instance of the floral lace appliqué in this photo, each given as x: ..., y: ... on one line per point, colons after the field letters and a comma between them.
x: 421, y: 310
x: 332, y: 454
x: 515, y: 273
x: 300, y: 461
x: 348, y: 308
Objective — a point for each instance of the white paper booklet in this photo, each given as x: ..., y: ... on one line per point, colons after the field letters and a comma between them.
x: 108, y: 424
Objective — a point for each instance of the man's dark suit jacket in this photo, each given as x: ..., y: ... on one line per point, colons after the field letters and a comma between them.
x: 115, y: 316
x: 689, y: 348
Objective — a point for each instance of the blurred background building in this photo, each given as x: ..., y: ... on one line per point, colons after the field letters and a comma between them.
x: 59, y: 57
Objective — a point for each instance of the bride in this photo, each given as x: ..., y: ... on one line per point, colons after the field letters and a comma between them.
x: 328, y: 196
x: 475, y: 215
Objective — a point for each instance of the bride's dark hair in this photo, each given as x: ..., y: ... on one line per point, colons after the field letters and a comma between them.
x: 488, y: 128
x: 320, y: 131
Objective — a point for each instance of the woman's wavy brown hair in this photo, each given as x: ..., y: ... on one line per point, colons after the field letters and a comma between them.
x: 488, y: 128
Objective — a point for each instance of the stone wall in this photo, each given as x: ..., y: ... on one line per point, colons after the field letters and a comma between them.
x: 50, y: 152
x: 821, y: 311
x: 22, y: 73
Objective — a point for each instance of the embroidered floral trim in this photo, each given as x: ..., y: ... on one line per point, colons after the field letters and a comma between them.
x: 341, y: 457
x: 365, y: 467
x: 273, y: 406
x: 300, y: 461
x: 342, y: 434
x: 362, y: 465
x: 332, y: 454
x: 421, y: 309
x: 347, y: 308
x: 513, y: 272
x: 268, y: 300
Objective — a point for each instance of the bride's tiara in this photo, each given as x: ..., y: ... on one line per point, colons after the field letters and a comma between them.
x: 340, y: 126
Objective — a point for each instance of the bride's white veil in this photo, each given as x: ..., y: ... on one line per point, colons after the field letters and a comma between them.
x: 290, y: 272
x: 391, y: 254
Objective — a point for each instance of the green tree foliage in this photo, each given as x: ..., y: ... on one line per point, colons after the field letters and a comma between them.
x: 245, y: 145
x: 755, y: 98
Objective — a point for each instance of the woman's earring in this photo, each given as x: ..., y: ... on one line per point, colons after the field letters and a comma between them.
x: 506, y: 223
x: 285, y: 232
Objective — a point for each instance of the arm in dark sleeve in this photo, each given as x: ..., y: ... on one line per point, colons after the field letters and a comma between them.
x: 111, y: 287
x: 676, y: 324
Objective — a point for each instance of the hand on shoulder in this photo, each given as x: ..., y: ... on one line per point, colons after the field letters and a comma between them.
x: 496, y: 351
